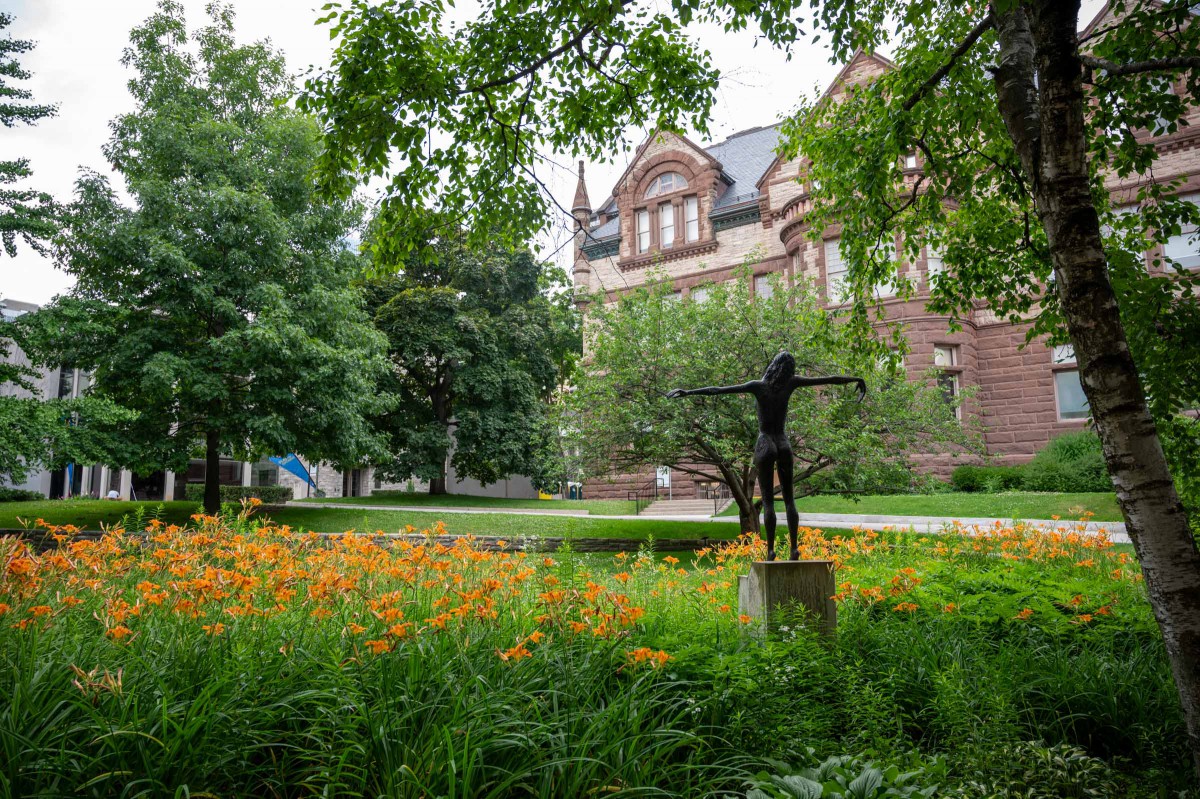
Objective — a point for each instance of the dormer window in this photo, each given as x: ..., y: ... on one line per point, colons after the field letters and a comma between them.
x: 666, y: 183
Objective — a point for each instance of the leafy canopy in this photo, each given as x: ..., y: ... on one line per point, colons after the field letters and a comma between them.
x: 650, y: 341
x: 478, y: 341
x: 25, y: 213
x: 221, y: 302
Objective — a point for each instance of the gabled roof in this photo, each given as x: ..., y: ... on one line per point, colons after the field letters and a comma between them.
x: 637, y: 156
x: 860, y: 58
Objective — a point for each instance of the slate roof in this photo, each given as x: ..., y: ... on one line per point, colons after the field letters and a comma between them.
x: 744, y: 157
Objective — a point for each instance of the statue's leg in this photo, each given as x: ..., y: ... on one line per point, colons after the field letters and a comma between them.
x: 789, y: 500
x: 765, y: 461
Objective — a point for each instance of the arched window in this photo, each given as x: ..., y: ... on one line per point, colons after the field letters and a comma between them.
x: 665, y: 184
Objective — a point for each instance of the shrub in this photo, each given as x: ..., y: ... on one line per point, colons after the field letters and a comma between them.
x: 18, y: 495
x: 270, y: 495
x: 987, y: 478
x: 845, y: 776
x: 1073, y: 462
x: 1037, y: 771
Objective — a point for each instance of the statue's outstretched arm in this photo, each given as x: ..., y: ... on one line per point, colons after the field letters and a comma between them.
x: 832, y: 380
x: 708, y: 391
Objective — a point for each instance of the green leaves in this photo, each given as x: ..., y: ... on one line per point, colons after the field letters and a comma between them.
x: 25, y: 214
x: 650, y: 342
x: 459, y: 116
x: 223, y: 298
x: 478, y: 340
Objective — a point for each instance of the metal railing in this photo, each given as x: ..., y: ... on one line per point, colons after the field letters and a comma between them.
x: 642, y: 497
x: 720, y: 497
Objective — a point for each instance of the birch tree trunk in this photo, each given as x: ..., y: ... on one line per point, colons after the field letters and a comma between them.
x: 1045, y: 117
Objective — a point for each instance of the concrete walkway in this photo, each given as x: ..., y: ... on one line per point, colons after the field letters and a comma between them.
x: 923, y: 524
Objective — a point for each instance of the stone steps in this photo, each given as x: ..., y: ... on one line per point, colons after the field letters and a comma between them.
x: 679, y: 507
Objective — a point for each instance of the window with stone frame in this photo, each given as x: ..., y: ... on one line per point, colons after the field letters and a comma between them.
x: 1069, y: 399
x: 888, y: 252
x: 1184, y: 249
x: 700, y: 293
x: 762, y: 287
x: 836, y: 271
x: 666, y: 226
x: 691, y: 218
x: 949, y: 376
x: 934, y: 263
x: 666, y: 183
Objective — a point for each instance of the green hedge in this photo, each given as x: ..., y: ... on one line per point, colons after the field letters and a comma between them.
x: 989, y: 479
x: 270, y: 495
x: 19, y: 495
x: 1070, y: 463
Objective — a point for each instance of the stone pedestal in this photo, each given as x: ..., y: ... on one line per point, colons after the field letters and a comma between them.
x: 776, y: 588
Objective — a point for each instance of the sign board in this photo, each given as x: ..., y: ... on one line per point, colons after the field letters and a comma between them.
x: 663, y: 473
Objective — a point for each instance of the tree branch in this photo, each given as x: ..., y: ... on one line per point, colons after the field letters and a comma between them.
x: 583, y: 33
x: 944, y: 70
x: 1113, y: 69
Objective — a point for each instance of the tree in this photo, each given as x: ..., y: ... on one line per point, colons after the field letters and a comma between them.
x: 478, y: 341
x: 650, y: 342
x: 220, y: 306
x: 24, y: 213
x: 1015, y: 110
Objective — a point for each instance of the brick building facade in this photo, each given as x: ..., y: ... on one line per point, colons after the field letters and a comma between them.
x: 695, y: 213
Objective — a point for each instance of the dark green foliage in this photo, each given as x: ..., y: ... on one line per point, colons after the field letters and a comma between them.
x: 18, y: 495
x: 850, y: 777
x: 220, y: 305
x: 621, y: 419
x: 1072, y: 462
x: 478, y: 340
x: 986, y: 478
x: 1035, y: 771
x: 270, y: 495
x: 25, y: 213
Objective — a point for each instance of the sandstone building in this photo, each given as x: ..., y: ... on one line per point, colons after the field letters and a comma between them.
x: 696, y: 212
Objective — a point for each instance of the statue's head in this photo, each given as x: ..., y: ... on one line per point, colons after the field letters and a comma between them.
x: 781, y: 370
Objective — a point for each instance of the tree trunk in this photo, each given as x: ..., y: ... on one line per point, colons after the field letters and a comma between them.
x: 212, y: 472
x: 1046, y: 120
x: 437, y: 485
x: 747, y: 513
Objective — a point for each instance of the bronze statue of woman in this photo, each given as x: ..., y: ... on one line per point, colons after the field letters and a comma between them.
x: 771, y: 395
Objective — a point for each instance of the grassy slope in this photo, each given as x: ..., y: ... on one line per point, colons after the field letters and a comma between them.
x: 90, y: 514
x: 596, y: 507
x: 1019, y: 505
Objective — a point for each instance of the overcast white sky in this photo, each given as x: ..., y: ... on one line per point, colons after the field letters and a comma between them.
x: 76, y: 64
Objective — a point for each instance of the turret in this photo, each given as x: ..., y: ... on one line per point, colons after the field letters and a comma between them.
x: 581, y: 210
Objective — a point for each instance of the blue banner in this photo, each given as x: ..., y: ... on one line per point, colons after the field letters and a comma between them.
x: 292, y: 464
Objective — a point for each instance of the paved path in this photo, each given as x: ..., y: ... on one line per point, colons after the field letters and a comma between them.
x: 925, y: 524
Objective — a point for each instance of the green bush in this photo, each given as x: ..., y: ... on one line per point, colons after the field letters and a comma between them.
x: 1069, y: 463
x: 846, y: 777
x: 1037, y: 771
x: 990, y: 479
x: 18, y: 495
x: 270, y: 495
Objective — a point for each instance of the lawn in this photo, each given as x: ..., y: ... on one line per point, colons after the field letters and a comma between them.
x: 1008, y: 505
x: 242, y: 659
x: 90, y: 514
x: 596, y: 507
